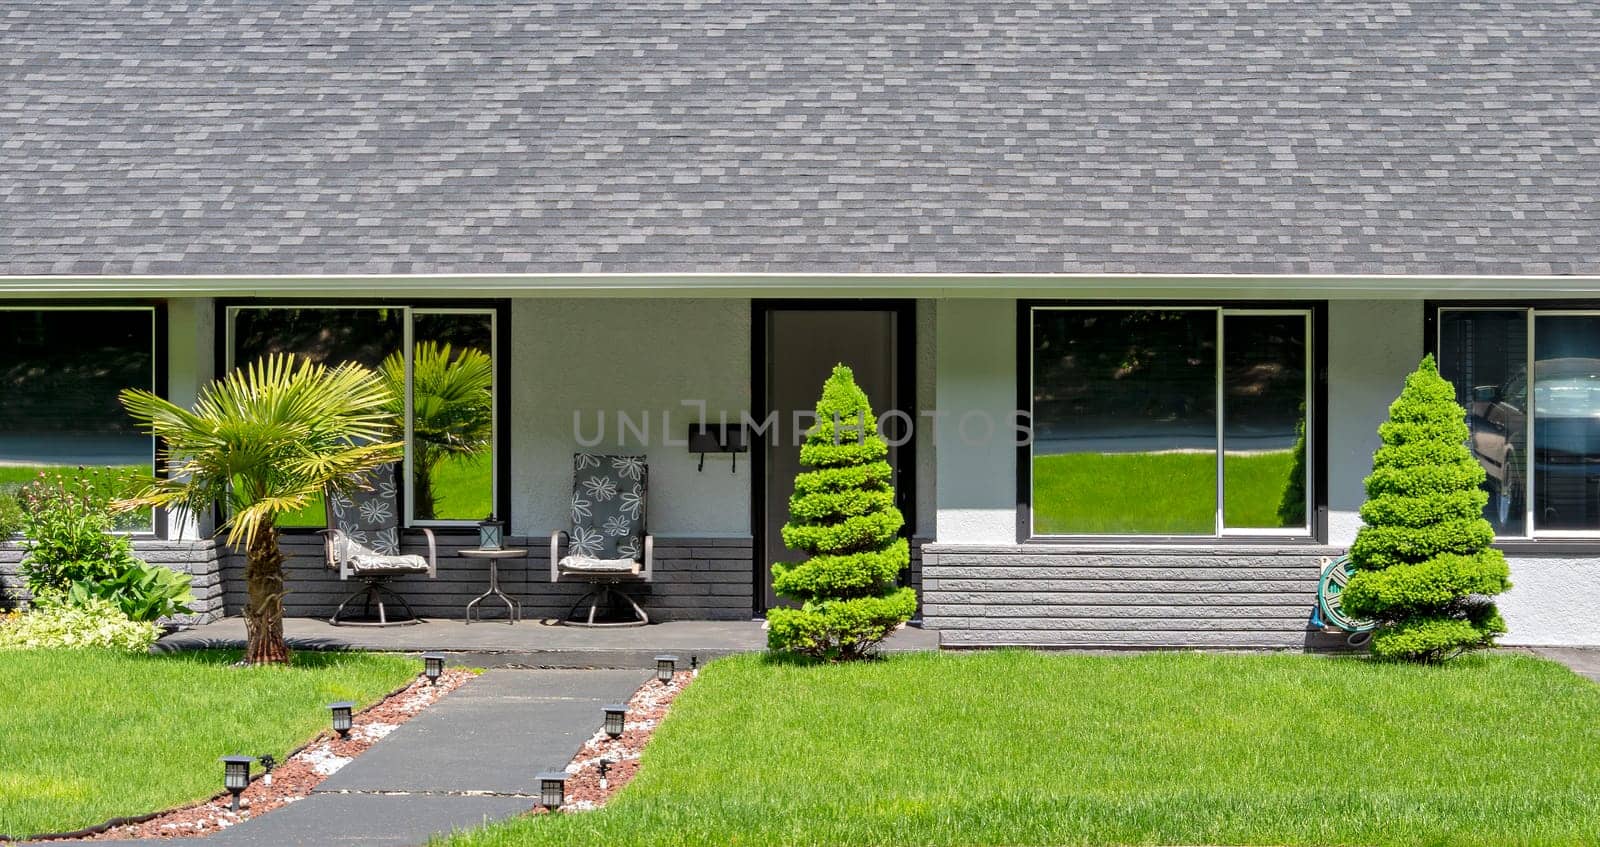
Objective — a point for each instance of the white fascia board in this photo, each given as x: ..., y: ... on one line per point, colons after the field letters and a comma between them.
x: 1242, y: 286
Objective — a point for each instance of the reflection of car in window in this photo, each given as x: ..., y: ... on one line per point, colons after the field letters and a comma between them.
x: 1566, y: 443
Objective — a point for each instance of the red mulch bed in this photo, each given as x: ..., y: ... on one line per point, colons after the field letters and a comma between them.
x: 646, y: 708
x: 293, y: 779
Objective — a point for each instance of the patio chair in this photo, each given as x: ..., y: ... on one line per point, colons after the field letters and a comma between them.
x: 362, y: 541
x: 608, y: 544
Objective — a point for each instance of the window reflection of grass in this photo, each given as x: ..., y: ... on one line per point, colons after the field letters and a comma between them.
x: 122, y: 480
x: 461, y: 491
x: 1154, y: 493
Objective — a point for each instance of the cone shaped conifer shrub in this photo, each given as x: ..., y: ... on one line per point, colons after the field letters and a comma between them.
x: 1423, y: 566
x: 843, y: 515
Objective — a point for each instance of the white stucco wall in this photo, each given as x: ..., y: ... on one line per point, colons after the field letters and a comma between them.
x: 1372, y: 345
x: 1552, y: 601
x: 975, y: 363
x: 191, y: 360
x: 643, y: 357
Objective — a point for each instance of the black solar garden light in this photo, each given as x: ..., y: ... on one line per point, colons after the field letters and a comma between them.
x: 433, y: 667
x: 236, y: 776
x: 342, y: 718
x: 616, y: 717
x: 665, y: 667
x: 553, y: 789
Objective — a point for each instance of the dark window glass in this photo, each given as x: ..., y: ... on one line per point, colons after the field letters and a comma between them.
x: 452, y: 420
x: 1125, y: 429
x: 330, y: 336
x: 451, y: 457
x: 1566, y: 422
x: 60, y: 373
x: 1263, y: 423
x: 1484, y: 354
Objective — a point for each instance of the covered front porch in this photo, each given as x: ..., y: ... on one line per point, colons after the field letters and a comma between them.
x: 529, y: 644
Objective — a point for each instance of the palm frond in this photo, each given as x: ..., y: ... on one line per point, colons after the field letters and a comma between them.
x: 267, y: 438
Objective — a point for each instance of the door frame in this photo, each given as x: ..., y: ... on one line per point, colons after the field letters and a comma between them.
x: 905, y: 377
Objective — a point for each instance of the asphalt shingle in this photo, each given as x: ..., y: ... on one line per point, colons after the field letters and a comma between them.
x: 957, y: 136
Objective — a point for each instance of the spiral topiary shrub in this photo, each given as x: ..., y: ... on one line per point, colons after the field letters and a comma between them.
x: 843, y: 515
x: 1423, y: 567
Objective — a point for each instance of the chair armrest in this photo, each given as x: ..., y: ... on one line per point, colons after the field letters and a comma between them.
x: 555, y: 554
x: 649, y: 555
x: 433, y: 552
x: 331, y: 545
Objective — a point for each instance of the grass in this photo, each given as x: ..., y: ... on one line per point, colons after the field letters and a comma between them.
x: 460, y: 492
x: 91, y: 735
x: 1155, y: 493
x: 1018, y: 748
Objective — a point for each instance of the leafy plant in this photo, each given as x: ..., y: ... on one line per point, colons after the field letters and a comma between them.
x: 266, y: 440
x: 72, y: 554
x: 11, y: 517
x: 1292, y: 505
x: 97, y: 623
x: 843, y: 515
x: 1423, y: 565
x: 452, y: 409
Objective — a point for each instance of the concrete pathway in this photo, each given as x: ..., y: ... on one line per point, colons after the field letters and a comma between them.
x: 527, y: 644
x: 470, y: 759
x: 1584, y: 661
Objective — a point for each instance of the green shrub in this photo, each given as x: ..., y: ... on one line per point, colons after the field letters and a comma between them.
x: 1423, y: 567
x: 11, y: 517
x: 71, y: 554
x: 98, y: 624
x: 843, y: 515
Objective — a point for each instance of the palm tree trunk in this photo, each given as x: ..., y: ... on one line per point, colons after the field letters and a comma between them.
x: 422, y: 489
x: 263, y: 613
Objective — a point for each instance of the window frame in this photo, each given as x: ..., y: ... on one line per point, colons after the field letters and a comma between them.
x: 1533, y: 537
x: 498, y: 312
x: 158, y: 378
x: 1315, y: 312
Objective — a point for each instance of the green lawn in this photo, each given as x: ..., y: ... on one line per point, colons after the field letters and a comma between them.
x: 461, y: 491
x: 86, y: 736
x: 1018, y: 748
x: 1155, y: 493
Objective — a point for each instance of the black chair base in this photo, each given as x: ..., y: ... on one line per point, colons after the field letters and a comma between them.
x: 604, y: 596
x: 373, y: 593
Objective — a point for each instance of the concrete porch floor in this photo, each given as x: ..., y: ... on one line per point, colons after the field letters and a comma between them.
x: 528, y: 644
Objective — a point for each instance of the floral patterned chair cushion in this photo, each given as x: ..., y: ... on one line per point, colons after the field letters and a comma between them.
x: 608, y: 513
x: 368, y: 524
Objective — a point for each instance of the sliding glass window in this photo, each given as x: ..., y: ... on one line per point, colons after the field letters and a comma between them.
x: 61, y: 370
x: 1169, y: 421
x: 1529, y: 380
x: 440, y: 365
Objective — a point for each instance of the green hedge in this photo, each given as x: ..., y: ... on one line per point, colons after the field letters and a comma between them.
x: 842, y: 513
x: 1423, y: 566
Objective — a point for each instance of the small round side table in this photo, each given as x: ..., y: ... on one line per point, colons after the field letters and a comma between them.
x: 513, y: 608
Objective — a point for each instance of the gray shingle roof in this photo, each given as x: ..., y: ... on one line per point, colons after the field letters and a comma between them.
x: 1159, y: 136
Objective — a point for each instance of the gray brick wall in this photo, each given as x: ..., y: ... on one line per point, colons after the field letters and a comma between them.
x: 1068, y: 596
x: 695, y: 579
x: 200, y: 559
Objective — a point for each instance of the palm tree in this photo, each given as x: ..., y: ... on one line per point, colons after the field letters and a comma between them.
x: 452, y: 409
x: 267, y: 440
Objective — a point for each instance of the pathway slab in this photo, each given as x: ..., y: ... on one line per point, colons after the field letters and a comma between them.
x: 528, y: 644
x: 495, y: 734
x: 381, y: 820
x: 1584, y: 661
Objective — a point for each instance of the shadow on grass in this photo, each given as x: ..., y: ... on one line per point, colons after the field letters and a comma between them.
x: 298, y: 659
